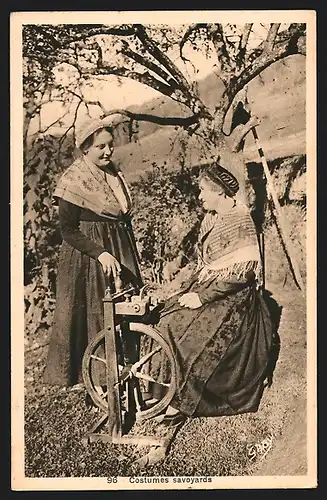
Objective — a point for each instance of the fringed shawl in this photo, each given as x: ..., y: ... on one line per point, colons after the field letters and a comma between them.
x: 228, y: 245
x: 87, y: 186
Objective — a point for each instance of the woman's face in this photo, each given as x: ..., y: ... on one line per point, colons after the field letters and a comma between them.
x: 100, y: 152
x: 212, y: 196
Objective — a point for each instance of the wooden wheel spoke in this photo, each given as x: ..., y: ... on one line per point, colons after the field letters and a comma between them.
x: 93, y: 356
x: 138, y: 398
x: 145, y: 376
x: 100, y: 392
x: 133, y: 379
x: 145, y: 358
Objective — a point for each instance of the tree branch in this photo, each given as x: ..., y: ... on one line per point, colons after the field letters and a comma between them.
x: 216, y: 35
x: 144, y: 78
x: 292, y: 34
x: 184, y: 92
x: 245, y: 35
x: 81, y: 32
x: 154, y: 50
x: 160, y: 120
x: 54, y: 122
x: 122, y: 30
x: 191, y: 29
x: 72, y: 126
x: 271, y: 37
x: 239, y: 133
x: 150, y: 65
x: 284, y: 49
x: 242, y: 45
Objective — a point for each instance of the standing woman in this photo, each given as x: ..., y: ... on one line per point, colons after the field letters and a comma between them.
x: 98, y: 245
x: 218, y: 326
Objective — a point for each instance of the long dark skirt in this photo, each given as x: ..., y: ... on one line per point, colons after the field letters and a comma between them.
x: 222, y: 351
x: 81, y: 286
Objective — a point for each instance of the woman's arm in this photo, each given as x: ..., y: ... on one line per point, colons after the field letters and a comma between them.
x: 69, y: 219
x: 217, y: 289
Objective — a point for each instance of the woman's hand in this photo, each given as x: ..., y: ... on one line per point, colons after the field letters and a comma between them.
x: 191, y: 300
x: 110, y: 264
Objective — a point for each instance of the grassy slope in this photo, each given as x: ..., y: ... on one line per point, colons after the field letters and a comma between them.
x: 57, y: 420
x: 288, y: 455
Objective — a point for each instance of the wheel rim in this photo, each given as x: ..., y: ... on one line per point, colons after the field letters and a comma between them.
x: 134, y: 377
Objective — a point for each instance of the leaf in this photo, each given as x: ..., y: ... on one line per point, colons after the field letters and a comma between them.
x: 31, y: 197
x: 32, y: 242
x: 32, y: 180
x: 47, y: 202
x: 34, y: 227
x: 30, y: 216
x: 30, y: 287
x: 37, y: 317
x: 28, y: 234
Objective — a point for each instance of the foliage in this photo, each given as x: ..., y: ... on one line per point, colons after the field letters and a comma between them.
x: 167, y: 214
x: 41, y: 231
x: 166, y: 211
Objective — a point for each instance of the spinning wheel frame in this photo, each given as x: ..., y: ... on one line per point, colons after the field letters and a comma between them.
x: 132, y: 373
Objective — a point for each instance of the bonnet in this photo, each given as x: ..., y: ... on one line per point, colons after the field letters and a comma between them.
x: 88, y: 126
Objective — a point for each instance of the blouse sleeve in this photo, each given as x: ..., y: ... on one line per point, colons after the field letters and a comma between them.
x: 69, y: 219
x: 217, y: 289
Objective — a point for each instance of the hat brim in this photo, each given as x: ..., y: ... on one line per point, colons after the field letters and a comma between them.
x: 89, y: 130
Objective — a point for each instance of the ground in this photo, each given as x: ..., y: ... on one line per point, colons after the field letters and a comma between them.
x: 269, y: 442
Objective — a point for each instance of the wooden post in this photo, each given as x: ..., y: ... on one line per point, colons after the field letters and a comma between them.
x: 263, y: 261
x: 113, y: 396
x: 114, y: 411
x: 279, y: 216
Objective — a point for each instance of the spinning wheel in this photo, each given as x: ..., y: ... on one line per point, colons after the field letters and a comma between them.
x: 129, y: 369
x: 135, y: 370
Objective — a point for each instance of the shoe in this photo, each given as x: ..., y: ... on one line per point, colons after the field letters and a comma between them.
x: 77, y: 387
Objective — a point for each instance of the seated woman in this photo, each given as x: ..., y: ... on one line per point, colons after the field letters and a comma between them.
x: 218, y: 326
